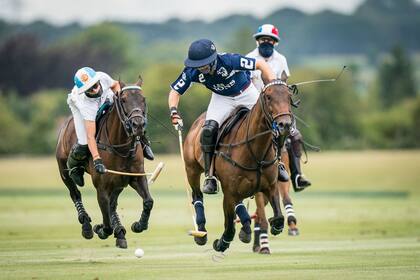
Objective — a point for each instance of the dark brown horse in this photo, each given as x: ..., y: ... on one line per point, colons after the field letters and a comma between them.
x: 118, y: 137
x: 245, y: 165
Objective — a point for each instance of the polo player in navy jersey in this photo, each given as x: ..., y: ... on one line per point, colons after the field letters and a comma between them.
x: 228, y: 77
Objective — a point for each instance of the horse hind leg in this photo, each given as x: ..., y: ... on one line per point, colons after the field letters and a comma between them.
x: 140, y: 185
x: 119, y: 230
x: 76, y: 197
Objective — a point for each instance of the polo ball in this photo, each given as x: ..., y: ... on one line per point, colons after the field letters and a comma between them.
x: 139, y: 252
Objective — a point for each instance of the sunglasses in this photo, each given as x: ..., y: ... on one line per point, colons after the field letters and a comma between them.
x: 93, y: 88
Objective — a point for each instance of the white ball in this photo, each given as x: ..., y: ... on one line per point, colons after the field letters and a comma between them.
x: 139, y: 252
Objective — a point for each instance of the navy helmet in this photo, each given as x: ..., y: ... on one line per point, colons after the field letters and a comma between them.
x: 201, y: 53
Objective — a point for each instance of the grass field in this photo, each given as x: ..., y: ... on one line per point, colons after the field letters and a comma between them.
x: 359, y: 220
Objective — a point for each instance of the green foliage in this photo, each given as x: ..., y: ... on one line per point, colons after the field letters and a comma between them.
x: 332, y: 110
x: 242, y: 41
x: 397, y: 127
x: 396, y: 79
x: 13, y: 131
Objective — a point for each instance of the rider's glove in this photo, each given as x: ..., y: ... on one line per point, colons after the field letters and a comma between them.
x: 99, y: 166
x: 176, y: 118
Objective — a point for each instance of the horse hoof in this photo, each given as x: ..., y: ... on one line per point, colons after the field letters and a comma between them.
x: 101, y: 231
x: 136, y: 227
x: 256, y: 248
x: 200, y: 240
x: 121, y: 243
x: 220, y: 246
x: 244, y: 236
x: 87, y: 231
x: 277, y: 225
x: 293, y: 231
x: 264, y: 251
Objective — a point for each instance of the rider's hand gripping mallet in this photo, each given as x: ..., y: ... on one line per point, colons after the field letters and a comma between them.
x: 195, y: 232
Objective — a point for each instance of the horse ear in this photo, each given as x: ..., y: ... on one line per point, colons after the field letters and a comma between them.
x: 284, y: 76
x: 139, y: 81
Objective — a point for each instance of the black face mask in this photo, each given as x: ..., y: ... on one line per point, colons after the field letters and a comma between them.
x: 266, y: 49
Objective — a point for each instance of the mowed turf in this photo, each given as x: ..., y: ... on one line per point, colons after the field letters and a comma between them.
x: 359, y: 220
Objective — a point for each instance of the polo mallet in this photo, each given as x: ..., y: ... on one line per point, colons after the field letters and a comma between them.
x: 195, y: 232
x: 152, y: 175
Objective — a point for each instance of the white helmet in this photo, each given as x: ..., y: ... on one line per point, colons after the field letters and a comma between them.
x: 267, y: 30
x: 85, y: 78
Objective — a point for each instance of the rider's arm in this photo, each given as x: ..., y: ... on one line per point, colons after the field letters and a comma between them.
x: 116, y: 87
x: 90, y: 132
x: 173, y: 98
x: 266, y: 73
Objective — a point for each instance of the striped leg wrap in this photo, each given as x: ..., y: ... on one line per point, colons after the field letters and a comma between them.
x: 264, y: 239
x: 81, y: 212
x: 115, y: 220
x: 289, y: 210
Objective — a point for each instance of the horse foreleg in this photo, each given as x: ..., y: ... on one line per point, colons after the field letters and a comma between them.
x: 223, y: 243
x: 76, y: 197
x: 103, y: 230
x: 288, y: 207
x: 119, y: 230
x: 242, y: 213
x: 200, y: 217
x: 261, y: 244
x: 140, y: 185
x: 276, y: 222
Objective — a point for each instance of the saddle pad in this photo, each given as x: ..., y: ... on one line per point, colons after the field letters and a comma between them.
x: 237, y: 115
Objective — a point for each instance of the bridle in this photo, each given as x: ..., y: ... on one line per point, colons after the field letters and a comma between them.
x: 126, y: 118
x: 270, y: 119
x: 126, y: 121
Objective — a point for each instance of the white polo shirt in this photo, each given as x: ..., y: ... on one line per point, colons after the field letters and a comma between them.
x: 88, y: 107
x: 277, y: 62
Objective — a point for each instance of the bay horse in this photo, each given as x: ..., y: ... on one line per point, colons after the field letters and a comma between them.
x: 118, y: 137
x: 244, y: 166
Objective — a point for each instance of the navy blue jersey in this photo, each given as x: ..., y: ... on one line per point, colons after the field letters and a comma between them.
x: 229, y: 78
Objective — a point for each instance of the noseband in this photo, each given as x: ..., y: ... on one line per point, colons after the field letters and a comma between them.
x: 125, y: 117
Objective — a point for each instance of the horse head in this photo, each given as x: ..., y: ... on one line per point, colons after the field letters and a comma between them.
x: 131, y: 107
x: 275, y: 103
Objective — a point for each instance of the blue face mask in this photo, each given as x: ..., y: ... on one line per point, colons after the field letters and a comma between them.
x: 266, y: 49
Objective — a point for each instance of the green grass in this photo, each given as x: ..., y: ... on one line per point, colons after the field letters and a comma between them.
x: 359, y: 220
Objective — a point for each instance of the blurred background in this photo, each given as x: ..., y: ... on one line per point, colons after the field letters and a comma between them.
x: 374, y: 105
x: 359, y: 219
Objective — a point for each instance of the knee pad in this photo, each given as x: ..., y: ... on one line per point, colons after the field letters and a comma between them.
x: 79, y: 152
x: 209, y: 135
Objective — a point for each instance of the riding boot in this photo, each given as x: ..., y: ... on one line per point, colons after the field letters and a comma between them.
x: 208, y: 145
x: 77, y: 162
x: 283, y: 175
x: 147, y: 149
x: 294, y: 149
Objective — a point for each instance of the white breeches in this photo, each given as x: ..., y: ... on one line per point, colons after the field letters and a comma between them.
x: 221, y: 107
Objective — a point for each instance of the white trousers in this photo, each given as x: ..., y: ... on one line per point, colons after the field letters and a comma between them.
x: 221, y: 107
x: 79, y: 123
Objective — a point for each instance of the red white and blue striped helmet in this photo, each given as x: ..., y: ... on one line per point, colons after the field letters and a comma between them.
x: 267, y: 30
x: 85, y: 78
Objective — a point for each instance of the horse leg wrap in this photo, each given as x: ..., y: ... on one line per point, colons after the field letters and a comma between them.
x: 82, y: 216
x: 200, y: 217
x: 220, y: 245
x: 145, y: 215
x: 102, y: 231
x: 257, y: 232
x: 242, y: 213
x: 264, y: 244
x: 119, y: 232
x: 290, y: 214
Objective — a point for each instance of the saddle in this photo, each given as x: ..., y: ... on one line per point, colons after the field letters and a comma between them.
x: 237, y: 115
